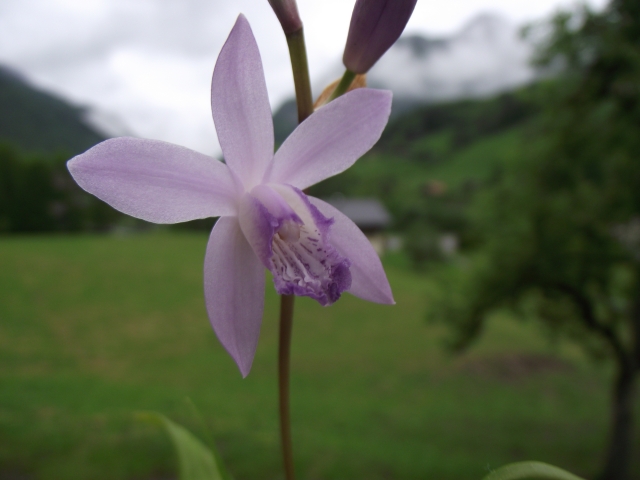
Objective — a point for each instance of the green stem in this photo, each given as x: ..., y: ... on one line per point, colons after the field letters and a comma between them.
x: 284, y: 349
x: 343, y: 86
x: 300, y: 68
x: 304, y: 100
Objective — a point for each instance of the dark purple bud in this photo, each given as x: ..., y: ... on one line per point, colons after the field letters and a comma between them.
x: 287, y: 13
x: 375, y: 26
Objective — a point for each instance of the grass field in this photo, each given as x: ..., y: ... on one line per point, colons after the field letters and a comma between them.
x: 93, y: 329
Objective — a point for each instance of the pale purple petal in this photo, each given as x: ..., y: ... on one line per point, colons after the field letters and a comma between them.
x: 155, y: 181
x: 234, y: 291
x: 240, y: 106
x: 368, y: 280
x: 332, y: 139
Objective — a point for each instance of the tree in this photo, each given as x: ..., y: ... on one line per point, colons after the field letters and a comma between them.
x: 562, y: 231
x: 38, y: 195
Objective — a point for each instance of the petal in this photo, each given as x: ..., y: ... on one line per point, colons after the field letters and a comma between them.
x: 333, y: 138
x: 234, y: 291
x: 257, y: 226
x: 368, y: 280
x: 155, y: 181
x: 240, y: 106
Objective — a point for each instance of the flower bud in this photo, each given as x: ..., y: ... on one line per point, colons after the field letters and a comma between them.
x: 287, y: 13
x: 375, y: 26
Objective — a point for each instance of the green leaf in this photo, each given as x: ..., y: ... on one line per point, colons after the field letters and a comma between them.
x: 532, y: 470
x: 196, y: 461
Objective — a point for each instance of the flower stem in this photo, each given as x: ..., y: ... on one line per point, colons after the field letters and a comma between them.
x: 284, y: 349
x: 300, y: 68
x: 343, y: 86
x: 304, y: 101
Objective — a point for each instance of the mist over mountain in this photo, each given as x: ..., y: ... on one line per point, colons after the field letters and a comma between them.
x: 486, y: 57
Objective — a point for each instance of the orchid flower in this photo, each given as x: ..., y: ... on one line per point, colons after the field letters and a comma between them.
x: 266, y: 220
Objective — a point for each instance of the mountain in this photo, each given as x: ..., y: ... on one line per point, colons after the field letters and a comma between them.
x: 456, y: 124
x: 38, y: 121
x: 448, y: 142
x: 285, y: 120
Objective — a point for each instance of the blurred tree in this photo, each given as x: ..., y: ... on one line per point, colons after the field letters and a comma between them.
x: 561, y: 234
x: 37, y: 194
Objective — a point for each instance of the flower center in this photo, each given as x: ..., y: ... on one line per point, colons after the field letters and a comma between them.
x: 292, y: 240
x: 303, y: 264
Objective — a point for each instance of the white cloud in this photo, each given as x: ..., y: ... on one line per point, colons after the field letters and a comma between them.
x: 149, y: 62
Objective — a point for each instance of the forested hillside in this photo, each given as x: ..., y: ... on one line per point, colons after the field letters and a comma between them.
x: 37, y: 121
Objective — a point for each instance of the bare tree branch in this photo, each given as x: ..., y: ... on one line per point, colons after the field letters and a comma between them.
x: 589, y: 318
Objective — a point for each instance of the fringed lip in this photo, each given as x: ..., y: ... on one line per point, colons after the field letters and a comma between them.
x: 291, y: 237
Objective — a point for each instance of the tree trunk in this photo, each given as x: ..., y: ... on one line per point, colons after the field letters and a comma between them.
x: 620, y: 442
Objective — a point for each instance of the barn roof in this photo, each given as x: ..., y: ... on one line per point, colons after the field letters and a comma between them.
x: 364, y: 212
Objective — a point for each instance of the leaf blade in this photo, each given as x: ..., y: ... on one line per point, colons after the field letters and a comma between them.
x: 530, y: 470
x: 195, y: 460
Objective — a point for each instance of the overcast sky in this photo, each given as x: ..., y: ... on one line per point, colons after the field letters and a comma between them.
x: 148, y: 63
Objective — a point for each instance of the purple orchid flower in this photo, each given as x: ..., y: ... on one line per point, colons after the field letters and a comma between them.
x: 266, y: 220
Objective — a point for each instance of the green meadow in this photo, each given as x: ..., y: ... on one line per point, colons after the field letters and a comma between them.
x: 96, y: 328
